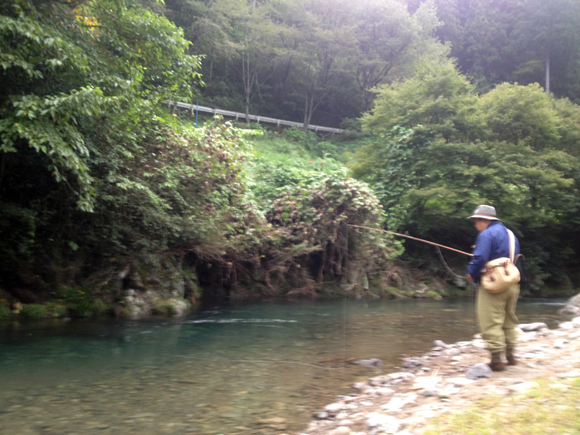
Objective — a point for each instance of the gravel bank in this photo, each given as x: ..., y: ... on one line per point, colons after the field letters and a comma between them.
x: 450, y: 377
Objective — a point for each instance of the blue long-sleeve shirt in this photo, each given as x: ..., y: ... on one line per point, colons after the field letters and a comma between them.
x: 491, y: 243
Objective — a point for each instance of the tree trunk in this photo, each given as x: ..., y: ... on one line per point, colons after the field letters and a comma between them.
x: 247, y: 82
x: 548, y: 74
x: 306, y: 105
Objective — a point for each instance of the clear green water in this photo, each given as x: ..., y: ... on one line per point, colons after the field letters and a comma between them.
x: 218, y: 371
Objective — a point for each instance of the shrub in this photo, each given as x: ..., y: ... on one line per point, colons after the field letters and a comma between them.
x: 100, y: 307
x: 306, y: 139
x: 325, y: 149
x: 79, y: 301
x: 33, y: 311
x: 55, y: 309
x: 4, y: 311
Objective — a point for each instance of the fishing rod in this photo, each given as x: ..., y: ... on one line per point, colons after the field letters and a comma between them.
x: 412, y: 238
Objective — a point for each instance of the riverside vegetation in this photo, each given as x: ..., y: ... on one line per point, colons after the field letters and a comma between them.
x: 109, y: 200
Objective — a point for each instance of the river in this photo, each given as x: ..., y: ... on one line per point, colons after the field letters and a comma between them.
x: 262, y: 367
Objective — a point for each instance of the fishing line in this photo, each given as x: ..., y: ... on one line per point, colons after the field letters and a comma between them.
x: 470, y: 285
x: 445, y: 264
x: 344, y: 306
x: 413, y: 238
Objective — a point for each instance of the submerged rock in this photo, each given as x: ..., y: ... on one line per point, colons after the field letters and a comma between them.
x: 373, y: 362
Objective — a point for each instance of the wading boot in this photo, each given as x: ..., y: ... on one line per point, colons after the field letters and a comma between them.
x: 511, y: 358
x: 496, y: 364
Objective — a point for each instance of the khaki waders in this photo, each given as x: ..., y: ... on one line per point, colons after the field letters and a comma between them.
x: 497, y: 318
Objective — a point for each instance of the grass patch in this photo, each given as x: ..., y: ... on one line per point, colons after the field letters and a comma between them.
x: 287, y: 152
x: 552, y: 408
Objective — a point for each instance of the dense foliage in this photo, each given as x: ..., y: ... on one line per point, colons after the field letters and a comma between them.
x: 92, y: 170
x: 310, y: 203
x: 95, y: 172
x: 440, y: 150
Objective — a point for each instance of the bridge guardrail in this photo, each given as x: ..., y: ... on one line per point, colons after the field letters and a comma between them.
x: 256, y: 118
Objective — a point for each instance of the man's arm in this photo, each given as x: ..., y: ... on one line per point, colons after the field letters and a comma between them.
x: 481, y: 255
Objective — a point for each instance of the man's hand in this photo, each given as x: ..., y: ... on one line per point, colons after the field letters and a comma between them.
x: 469, y: 278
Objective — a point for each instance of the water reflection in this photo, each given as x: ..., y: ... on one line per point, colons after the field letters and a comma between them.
x: 245, y: 368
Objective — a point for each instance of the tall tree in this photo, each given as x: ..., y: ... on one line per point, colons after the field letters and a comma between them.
x: 390, y: 40
x: 435, y: 105
x: 551, y: 33
x: 255, y: 36
x: 323, y: 51
x: 515, y: 40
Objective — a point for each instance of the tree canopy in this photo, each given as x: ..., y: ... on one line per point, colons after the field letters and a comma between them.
x: 439, y: 150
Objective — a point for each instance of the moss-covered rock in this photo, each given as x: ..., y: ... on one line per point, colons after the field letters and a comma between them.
x: 170, y: 307
x: 433, y: 295
x: 158, y: 273
x: 132, y: 305
x: 395, y: 292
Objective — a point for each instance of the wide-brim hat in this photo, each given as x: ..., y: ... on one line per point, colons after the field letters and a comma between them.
x: 484, y: 212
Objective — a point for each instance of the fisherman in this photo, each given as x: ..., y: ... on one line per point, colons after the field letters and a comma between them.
x: 496, y: 311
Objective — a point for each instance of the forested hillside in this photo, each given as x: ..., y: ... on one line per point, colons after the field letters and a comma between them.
x: 99, y: 181
x: 320, y: 60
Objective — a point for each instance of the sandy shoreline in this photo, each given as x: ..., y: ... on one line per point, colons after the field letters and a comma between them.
x: 403, y: 402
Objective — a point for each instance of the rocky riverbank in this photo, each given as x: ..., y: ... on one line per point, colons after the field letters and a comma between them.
x: 451, y: 377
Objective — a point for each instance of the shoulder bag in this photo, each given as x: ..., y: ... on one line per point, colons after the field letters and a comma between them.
x: 500, y: 274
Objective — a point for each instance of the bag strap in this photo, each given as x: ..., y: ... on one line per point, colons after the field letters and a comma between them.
x: 512, y: 245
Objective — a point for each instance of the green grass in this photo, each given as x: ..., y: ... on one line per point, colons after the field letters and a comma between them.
x: 279, y: 150
x: 548, y: 409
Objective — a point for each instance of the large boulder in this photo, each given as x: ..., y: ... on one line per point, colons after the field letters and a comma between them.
x: 153, y: 284
x: 572, y: 307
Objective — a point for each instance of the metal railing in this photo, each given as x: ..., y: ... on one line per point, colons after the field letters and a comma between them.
x: 258, y: 119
